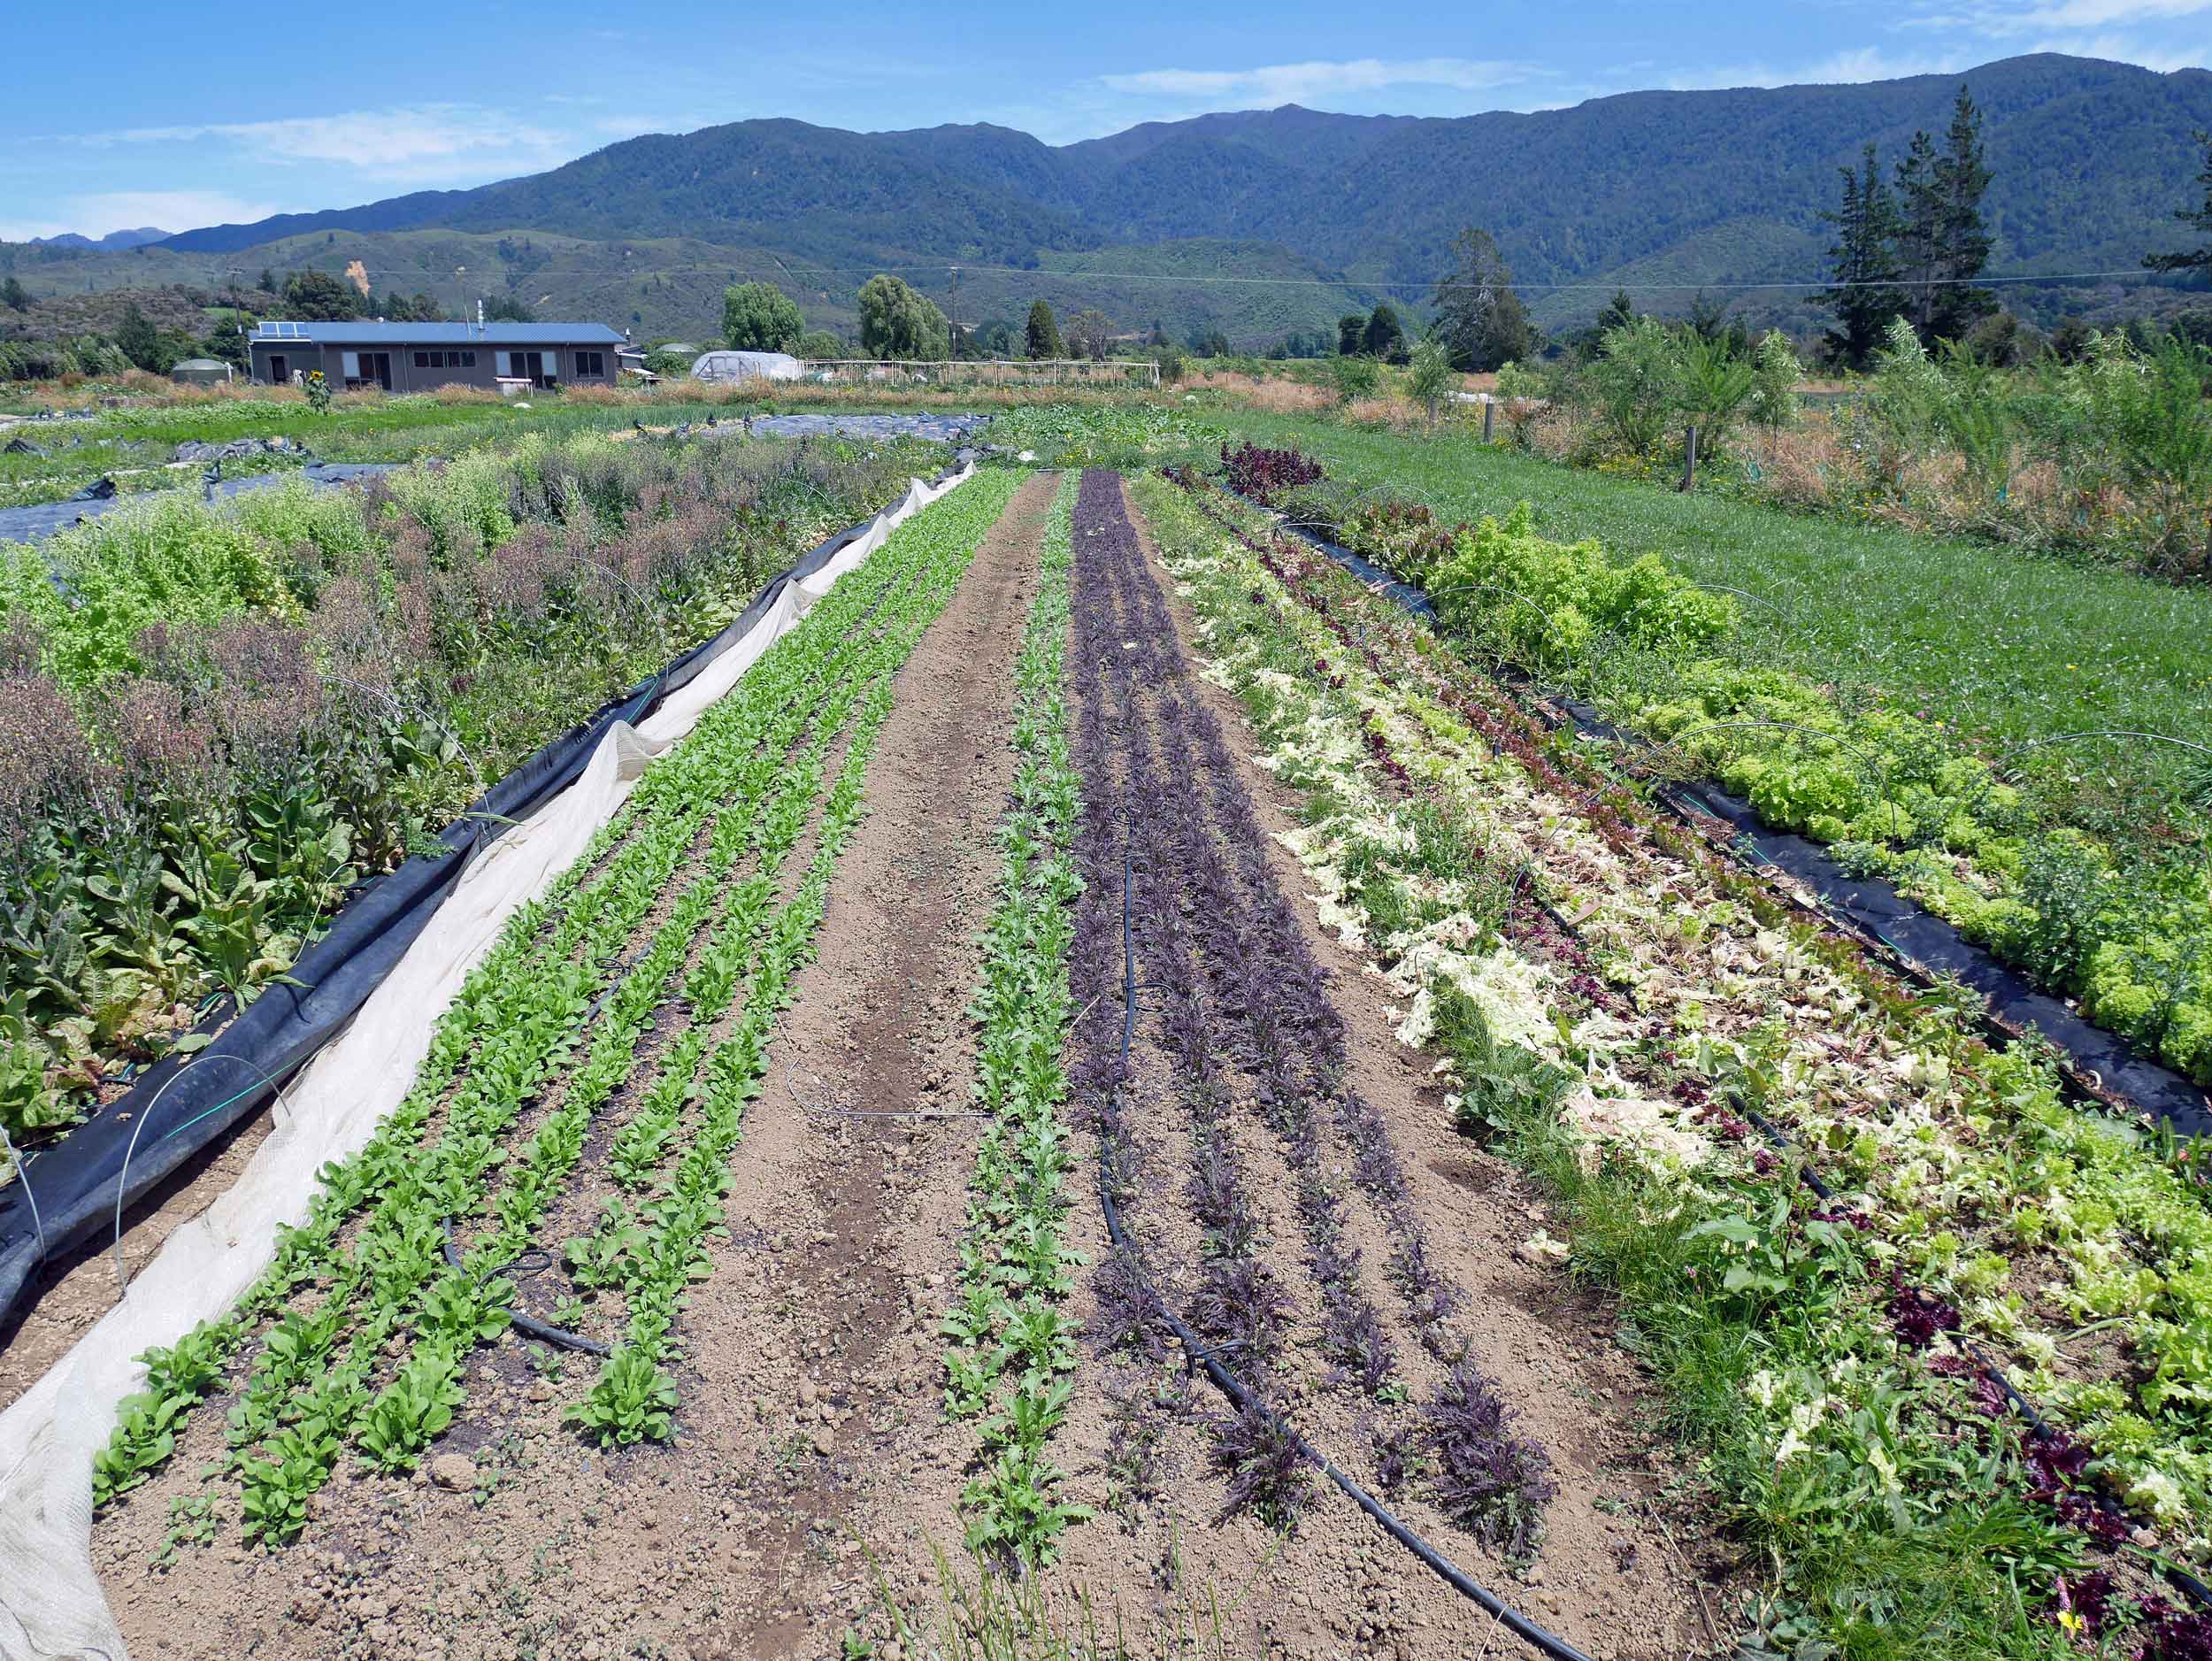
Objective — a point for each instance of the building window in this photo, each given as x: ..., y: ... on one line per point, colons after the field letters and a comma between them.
x: 591, y: 363
x: 466, y: 360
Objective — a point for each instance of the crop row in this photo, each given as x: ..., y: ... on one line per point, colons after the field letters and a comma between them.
x: 1248, y: 1028
x: 220, y: 720
x: 2125, y: 929
x: 368, y: 1270
x: 634, y: 1395
x: 1011, y: 1347
x: 1815, y: 1341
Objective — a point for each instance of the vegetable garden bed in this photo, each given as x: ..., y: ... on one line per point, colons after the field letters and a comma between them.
x: 1670, y: 1271
x: 1663, y: 1043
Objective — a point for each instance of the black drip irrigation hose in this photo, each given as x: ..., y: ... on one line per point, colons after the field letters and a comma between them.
x: 528, y: 1324
x: 1197, y: 1353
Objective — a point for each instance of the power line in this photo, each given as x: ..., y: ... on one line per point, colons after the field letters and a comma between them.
x: 775, y: 268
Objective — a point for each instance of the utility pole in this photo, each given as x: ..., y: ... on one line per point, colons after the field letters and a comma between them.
x: 955, y: 312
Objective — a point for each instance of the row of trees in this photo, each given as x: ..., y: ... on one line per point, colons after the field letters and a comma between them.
x: 898, y: 321
x: 1911, y: 246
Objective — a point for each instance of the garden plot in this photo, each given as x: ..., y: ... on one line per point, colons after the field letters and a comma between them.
x: 1667, y: 1047
x: 580, y: 1104
x: 1290, y: 1194
x: 770, y: 940
x: 1661, y: 1262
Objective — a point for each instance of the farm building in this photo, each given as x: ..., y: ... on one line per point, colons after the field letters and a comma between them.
x: 414, y: 357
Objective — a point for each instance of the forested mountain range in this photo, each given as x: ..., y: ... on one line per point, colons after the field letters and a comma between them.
x: 2090, y: 159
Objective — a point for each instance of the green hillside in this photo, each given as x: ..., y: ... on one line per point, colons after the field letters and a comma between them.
x: 1722, y: 188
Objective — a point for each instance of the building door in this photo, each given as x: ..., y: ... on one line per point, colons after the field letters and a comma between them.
x: 278, y: 369
x: 377, y: 366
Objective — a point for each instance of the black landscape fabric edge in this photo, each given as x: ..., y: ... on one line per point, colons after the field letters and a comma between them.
x: 1922, y: 942
x: 75, y: 1183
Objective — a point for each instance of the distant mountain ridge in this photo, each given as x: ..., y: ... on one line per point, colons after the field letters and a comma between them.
x: 2090, y: 160
x: 1254, y: 222
x: 137, y: 238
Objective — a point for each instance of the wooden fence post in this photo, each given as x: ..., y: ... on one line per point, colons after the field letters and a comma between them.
x: 1689, y: 460
x: 1489, y: 411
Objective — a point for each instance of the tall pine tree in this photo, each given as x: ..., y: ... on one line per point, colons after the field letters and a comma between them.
x: 1919, y: 230
x: 1962, y: 177
x: 1863, y: 264
x: 1942, y: 244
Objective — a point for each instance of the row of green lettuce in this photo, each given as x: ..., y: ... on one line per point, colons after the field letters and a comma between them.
x: 2127, y: 933
x: 1011, y: 1349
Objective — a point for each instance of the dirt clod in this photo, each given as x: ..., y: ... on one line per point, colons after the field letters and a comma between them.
x: 453, y: 1471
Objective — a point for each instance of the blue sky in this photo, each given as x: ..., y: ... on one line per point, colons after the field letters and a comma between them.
x: 175, y: 117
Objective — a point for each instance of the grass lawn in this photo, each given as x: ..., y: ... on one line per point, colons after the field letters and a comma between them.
x: 2004, y: 646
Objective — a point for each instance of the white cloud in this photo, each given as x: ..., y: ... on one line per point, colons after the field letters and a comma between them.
x: 1838, y: 69
x: 126, y: 210
x: 422, y: 142
x: 1296, y: 83
x: 2123, y: 48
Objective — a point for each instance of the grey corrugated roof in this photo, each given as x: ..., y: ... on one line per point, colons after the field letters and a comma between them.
x: 450, y: 335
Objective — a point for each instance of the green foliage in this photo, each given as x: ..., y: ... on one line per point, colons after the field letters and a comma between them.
x: 1869, y: 1479
x: 1775, y: 374
x: 2125, y: 926
x: 760, y: 317
x: 1011, y: 1340
x: 633, y: 1401
x: 1636, y: 386
x: 1041, y: 338
x: 372, y: 1258
x: 1383, y: 337
x: 139, y: 341
x: 1552, y: 604
x: 896, y: 321
x: 1354, y: 379
x: 1863, y: 261
x: 1432, y: 376
x: 1478, y: 317
x: 275, y: 630
x: 317, y: 296
x: 2198, y: 218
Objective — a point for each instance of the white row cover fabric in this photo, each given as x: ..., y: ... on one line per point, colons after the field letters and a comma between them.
x: 50, y: 1600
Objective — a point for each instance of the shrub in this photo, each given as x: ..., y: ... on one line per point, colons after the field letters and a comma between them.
x: 1546, y: 604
